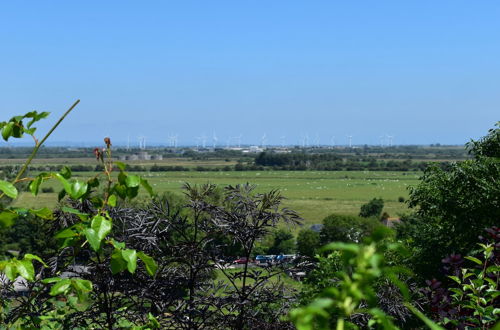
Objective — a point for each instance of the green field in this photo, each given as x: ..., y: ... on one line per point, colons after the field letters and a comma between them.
x: 314, y: 194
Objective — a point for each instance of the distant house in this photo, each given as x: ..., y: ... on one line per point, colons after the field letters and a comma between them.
x: 317, y: 227
x: 390, y: 222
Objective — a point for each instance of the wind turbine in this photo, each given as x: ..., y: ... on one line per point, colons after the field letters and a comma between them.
x: 238, y: 139
x: 333, y: 141
x: 214, y: 140
x: 350, y: 140
x: 282, y: 138
x: 263, y: 141
x: 204, y: 140
x: 142, y: 142
x: 390, y: 137
x: 305, y: 140
x: 316, y: 140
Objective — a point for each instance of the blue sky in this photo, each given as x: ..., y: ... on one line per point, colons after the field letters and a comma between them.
x: 422, y: 71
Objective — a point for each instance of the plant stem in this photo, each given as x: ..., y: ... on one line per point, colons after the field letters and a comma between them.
x: 39, y: 144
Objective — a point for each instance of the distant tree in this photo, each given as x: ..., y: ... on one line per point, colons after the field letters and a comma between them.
x: 283, y: 243
x: 308, y: 242
x: 346, y: 228
x: 372, y: 209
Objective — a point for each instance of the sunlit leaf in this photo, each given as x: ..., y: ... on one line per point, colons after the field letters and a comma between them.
x: 8, y: 188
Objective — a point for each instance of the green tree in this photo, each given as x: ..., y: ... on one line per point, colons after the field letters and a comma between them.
x: 283, y: 242
x: 346, y: 228
x: 308, y: 242
x: 372, y: 209
x: 454, y: 206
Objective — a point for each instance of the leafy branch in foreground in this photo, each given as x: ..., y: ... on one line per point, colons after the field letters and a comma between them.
x: 352, y: 291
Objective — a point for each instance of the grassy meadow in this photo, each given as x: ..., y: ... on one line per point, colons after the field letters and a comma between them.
x: 313, y: 194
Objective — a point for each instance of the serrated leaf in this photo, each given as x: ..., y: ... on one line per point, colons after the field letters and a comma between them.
x: 130, y: 256
x: 456, y: 279
x: 476, y: 260
x: 8, y: 188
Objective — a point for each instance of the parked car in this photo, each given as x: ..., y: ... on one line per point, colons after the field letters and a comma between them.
x: 241, y: 260
x: 260, y: 259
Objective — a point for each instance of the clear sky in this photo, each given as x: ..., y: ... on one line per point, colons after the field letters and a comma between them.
x: 421, y: 71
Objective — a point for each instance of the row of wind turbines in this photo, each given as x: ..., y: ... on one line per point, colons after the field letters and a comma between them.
x: 235, y: 141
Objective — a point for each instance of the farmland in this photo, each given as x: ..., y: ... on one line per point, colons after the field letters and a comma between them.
x: 313, y: 194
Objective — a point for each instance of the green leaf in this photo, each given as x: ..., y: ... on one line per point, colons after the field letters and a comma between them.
x: 425, y: 319
x: 10, y: 271
x: 117, y: 263
x: 25, y: 269
x: 130, y: 256
x: 132, y: 192
x: 65, y: 172
x: 81, y: 215
x: 101, y: 226
x: 78, y: 189
x: 36, y: 117
x: 120, y: 190
x: 92, y: 238
x: 145, y: 184
x: 153, y: 321
x: 122, y: 178
x: 112, y: 200
x: 31, y: 257
x: 44, y: 213
x: 65, y: 183
x: 116, y: 244
x: 149, y: 263
x: 133, y: 181
x: 8, y: 188
x: 65, y: 233
x: 35, y: 185
x: 121, y: 165
x: 51, y: 280
x: 476, y: 260
x: 82, y: 285
x: 7, y: 130
x: 60, y: 287
x: 7, y: 218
